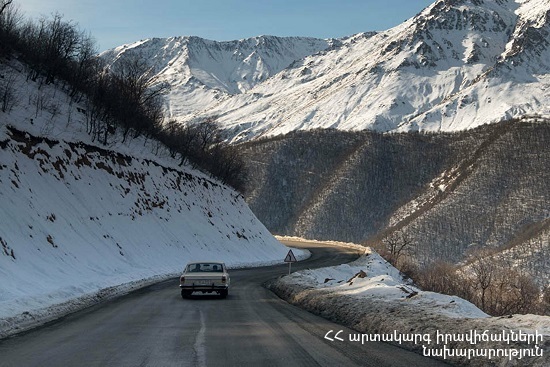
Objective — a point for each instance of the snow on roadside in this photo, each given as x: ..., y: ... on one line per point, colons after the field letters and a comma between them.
x: 371, y: 296
x: 75, y: 301
x: 82, y: 222
x: 79, y: 224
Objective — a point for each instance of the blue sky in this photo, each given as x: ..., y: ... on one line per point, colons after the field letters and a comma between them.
x: 114, y: 22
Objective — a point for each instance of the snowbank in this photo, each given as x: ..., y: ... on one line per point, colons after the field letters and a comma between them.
x: 371, y: 296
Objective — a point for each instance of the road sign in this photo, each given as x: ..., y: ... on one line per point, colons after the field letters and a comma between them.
x: 290, y: 258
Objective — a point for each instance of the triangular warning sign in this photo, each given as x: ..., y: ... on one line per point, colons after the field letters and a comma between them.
x: 290, y: 258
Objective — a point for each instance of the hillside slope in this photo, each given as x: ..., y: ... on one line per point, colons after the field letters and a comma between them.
x: 78, y: 217
x: 447, y: 192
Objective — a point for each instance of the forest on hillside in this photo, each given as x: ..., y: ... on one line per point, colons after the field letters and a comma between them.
x: 431, y: 197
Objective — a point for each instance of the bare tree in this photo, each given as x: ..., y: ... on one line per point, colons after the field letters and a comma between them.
x: 10, y: 18
x: 85, y: 67
x: 61, y: 46
x: 8, y: 96
x: 134, y: 101
x: 208, y: 134
x: 483, y: 268
x: 438, y: 277
x: 396, y: 245
x: 4, y: 5
x: 227, y: 165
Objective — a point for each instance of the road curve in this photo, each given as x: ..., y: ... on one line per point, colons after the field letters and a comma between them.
x: 156, y: 327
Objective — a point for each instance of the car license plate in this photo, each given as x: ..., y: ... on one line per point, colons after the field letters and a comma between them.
x: 203, y: 282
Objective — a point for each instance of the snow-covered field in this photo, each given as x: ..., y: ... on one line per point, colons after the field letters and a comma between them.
x: 371, y: 296
x: 82, y: 222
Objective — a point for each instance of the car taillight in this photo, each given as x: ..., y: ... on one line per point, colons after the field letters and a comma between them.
x: 224, y: 278
x: 182, y: 279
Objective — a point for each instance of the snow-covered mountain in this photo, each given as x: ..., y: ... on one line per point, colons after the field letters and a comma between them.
x: 200, y: 72
x: 456, y: 65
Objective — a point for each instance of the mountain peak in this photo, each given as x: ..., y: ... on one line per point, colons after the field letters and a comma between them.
x: 455, y: 65
x: 190, y: 64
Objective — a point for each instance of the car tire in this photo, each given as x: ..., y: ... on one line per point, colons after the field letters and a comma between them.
x: 185, y: 294
x: 224, y: 293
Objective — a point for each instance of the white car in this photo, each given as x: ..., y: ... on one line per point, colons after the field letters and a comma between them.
x: 205, y: 277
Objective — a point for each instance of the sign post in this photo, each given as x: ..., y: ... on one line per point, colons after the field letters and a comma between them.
x: 290, y: 258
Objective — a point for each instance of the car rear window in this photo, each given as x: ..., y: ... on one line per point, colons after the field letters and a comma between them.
x: 205, y: 267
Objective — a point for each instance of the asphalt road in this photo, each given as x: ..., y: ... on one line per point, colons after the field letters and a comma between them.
x: 156, y: 327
